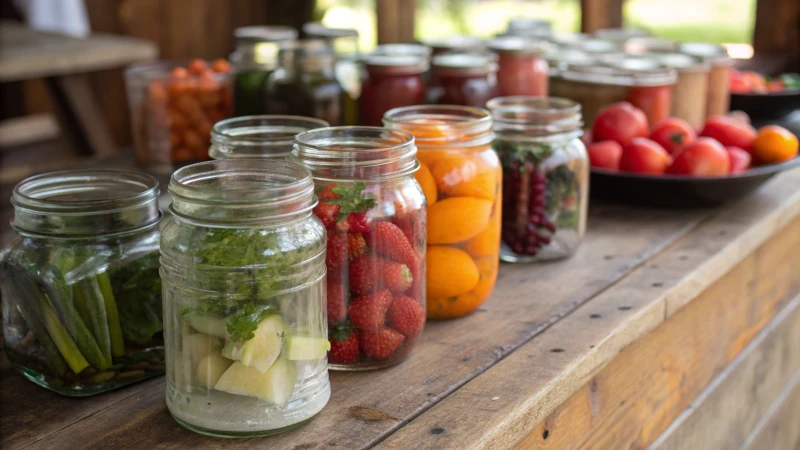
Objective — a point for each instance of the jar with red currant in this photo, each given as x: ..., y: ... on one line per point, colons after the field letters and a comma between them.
x: 374, y: 213
x: 545, y: 176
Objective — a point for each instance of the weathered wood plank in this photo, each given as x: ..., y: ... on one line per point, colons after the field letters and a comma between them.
x: 527, y: 300
x: 508, y: 400
x: 723, y: 415
x: 779, y: 430
x: 395, y: 21
x: 599, y: 14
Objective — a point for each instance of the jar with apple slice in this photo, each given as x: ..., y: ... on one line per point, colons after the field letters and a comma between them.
x: 243, y: 272
x: 374, y: 213
x: 461, y: 178
x: 545, y: 176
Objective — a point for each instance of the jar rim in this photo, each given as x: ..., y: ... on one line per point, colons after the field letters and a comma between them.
x: 518, y: 46
x: 265, y: 33
x: 456, y: 43
x: 530, y: 116
x: 464, y: 64
x: 439, y: 124
x: 402, y: 49
x: 399, y: 64
x: 258, y: 136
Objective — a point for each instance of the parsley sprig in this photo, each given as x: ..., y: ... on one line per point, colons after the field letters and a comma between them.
x: 352, y: 199
x: 242, y: 325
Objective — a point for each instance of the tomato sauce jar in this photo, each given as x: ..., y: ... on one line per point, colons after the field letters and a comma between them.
x: 465, y: 79
x: 521, y: 68
x: 391, y: 82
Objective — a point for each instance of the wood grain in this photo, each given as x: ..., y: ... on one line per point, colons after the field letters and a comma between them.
x: 507, y: 401
x: 723, y: 415
x: 599, y: 14
x: 395, y: 21
x: 778, y: 430
x: 777, y: 30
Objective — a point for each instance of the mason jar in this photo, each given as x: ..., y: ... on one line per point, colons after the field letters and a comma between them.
x: 243, y: 268
x: 258, y: 136
x: 545, y: 176
x: 374, y: 213
x: 461, y: 178
x: 80, y: 286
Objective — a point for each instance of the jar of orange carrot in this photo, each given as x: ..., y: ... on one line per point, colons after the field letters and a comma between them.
x: 462, y: 178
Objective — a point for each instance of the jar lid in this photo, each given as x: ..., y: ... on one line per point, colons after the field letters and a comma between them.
x: 625, y: 72
x: 559, y: 57
x: 679, y: 61
x: 710, y: 53
x: 265, y: 33
x: 517, y: 45
x: 455, y: 44
x: 464, y: 64
x: 640, y: 45
x: 598, y: 46
x: 396, y: 64
x: 567, y: 38
x: 620, y: 34
x: 318, y: 30
x: 402, y: 50
x: 528, y: 24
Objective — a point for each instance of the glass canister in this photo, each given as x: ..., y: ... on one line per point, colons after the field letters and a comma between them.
x: 545, y: 176
x: 305, y: 84
x: 719, y: 94
x: 522, y: 70
x: 173, y: 106
x: 258, y: 136
x: 391, y: 82
x: 465, y: 79
x: 374, y: 212
x: 254, y: 59
x: 243, y: 269
x: 461, y: 177
x: 80, y: 286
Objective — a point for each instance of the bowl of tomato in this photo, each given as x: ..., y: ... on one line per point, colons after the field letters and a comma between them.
x: 760, y: 96
x: 671, y: 164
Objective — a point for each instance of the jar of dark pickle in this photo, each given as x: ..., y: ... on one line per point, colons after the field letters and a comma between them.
x: 465, y: 79
x: 305, y: 84
x: 81, y: 293
x: 258, y: 136
x: 545, y: 176
x: 254, y: 59
x: 392, y: 81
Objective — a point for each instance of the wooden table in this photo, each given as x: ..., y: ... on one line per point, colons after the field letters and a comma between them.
x: 676, y: 329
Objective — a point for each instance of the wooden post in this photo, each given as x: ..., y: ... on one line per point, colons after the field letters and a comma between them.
x: 395, y: 21
x: 598, y: 14
x: 777, y: 31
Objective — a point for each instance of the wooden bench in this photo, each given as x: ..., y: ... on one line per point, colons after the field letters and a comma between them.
x: 676, y: 329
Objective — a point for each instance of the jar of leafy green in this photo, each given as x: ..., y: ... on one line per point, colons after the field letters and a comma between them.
x: 243, y: 268
x: 545, y: 176
x: 81, y: 292
x: 258, y: 136
x: 254, y: 59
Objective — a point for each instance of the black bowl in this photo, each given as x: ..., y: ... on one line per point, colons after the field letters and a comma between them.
x: 777, y: 104
x: 673, y: 191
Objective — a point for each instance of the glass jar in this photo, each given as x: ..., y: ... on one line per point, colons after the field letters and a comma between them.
x: 374, y: 212
x: 521, y: 68
x: 305, y: 83
x: 254, y: 59
x: 461, y: 177
x: 80, y: 286
x: 243, y: 269
x: 258, y: 136
x: 545, y: 176
x: 173, y: 108
x: 465, y: 79
x: 690, y: 91
x: 391, y: 82
x: 718, y: 101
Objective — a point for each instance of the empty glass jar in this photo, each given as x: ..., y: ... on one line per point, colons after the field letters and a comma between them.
x: 258, y: 136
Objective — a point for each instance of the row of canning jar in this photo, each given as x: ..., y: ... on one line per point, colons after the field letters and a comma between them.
x: 272, y: 260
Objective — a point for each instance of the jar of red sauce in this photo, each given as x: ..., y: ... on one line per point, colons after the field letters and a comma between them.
x: 465, y: 79
x: 392, y: 81
x: 521, y: 68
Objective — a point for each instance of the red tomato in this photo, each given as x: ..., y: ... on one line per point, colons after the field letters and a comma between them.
x: 605, y: 154
x: 730, y: 132
x: 775, y: 86
x: 672, y: 133
x: 704, y: 157
x: 740, y: 159
x: 739, y: 83
x: 619, y: 122
x: 642, y: 155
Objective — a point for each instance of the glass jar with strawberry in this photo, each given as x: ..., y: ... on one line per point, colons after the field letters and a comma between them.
x: 374, y: 212
x: 461, y: 177
x: 545, y: 176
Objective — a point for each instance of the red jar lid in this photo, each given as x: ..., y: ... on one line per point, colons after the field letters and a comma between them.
x: 396, y: 64
x: 463, y: 64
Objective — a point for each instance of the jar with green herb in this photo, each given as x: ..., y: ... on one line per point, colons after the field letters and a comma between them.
x: 243, y: 269
x: 545, y: 176
x: 81, y: 293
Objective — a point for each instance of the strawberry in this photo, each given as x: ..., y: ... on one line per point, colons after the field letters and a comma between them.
x: 368, y: 312
x: 336, y: 304
x: 344, y: 347
x: 326, y: 194
x: 356, y: 245
x: 406, y: 315
x: 365, y: 274
x: 411, y: 226
x: 337, y: 253
x: 396, y: 276
x: 388, y: 239
x: 418, y: 277
x: 355, y: 223
x: 380, y: 343
x: 327, y: 213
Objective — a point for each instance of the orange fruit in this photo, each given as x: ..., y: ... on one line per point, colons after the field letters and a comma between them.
x: 443, y: 307
x: 449, y: 272
x: 465, y: 176
x: 775, y: 144
x: 487, y: 242
x: 457, y: 219
x: 425, y: 180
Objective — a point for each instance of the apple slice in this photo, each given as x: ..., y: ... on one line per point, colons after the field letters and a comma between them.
x: 275, y: 385
x: 299, y: 347
x: 211, y: 368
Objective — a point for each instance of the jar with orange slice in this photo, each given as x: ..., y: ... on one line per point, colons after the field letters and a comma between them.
x: 461, y: 177
x: 545, y: 176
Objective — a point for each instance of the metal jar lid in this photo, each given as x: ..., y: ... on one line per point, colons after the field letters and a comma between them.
x: 649, y: 44
x: 522, y: 25
x: 265, y: 33
x: 558, y: 58
x: 713, y: 54
x: 318, y: 30
x: 455, y: 44
x: 518, y: 45
x: 681, y: 62
x: 396, y: 64
x: 402, y: 50
x: 464, y: 64
x: 568, y: 39
x: 625, y: 72
x: 597, y: 46
x: 620, y: 34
